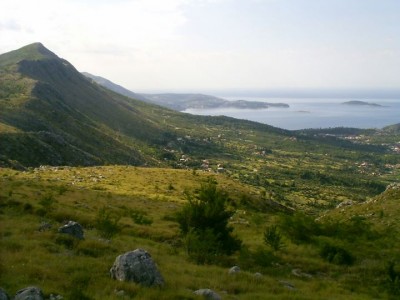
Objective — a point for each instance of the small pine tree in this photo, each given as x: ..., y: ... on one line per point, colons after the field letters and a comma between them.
x: 273, y: 238
x: 204, y: 221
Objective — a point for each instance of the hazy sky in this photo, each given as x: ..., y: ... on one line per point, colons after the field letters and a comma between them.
x: 216, y: 44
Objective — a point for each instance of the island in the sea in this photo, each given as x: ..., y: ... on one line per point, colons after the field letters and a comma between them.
x: 361, y: 103
x: 246, y: 104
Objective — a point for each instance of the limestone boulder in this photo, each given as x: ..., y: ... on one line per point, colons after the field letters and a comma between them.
x: 72, y: 228
x: 29, y: 293
x: 136, y: 266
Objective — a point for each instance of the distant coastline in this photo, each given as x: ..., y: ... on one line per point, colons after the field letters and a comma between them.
x: 313, y: 113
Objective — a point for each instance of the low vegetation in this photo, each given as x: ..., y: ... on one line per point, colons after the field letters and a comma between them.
x: 342, y: 254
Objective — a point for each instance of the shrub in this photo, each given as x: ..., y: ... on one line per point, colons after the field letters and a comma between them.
x: 62, y: 189
x: 393, y: 278
x: 355, y: 228
x: 67, y: 241
x: 93, y: 248
x: 273, y: 238
x: 204, y: 223
x: 336, y: 255
x: 253, y: 260
x: 78, y: 285
x: 299, y: 227
x: 107, y: 223
x: 41, y: 212
x: 47, y: 201
x: 140, y: 218
x: 28, y: 207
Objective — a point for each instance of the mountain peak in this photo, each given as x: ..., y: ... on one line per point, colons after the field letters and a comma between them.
x: 41, y: 49
x: 35, y: 51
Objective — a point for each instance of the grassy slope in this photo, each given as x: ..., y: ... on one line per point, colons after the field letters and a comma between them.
x: 30, y: 257
x: 63, y: 119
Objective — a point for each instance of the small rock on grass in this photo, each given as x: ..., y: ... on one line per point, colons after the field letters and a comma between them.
x: 287, y: 285
x: 208, y: 294
x: 234, y: 270
x: 72, y: 228
x: 3, y: 295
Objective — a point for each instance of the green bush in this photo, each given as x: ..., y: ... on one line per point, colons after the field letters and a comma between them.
x: 253, y: 260
x: 28, y: 208
x: 62, y: 189
x: 67, y: 241
x: 47, y: 201
x: 204, y: 223
x: 140, y: 218
x: 107, y: 223
x: 393, y: 279
x: 336, y: 255
x: 300, y: 227
x: 355, y: 228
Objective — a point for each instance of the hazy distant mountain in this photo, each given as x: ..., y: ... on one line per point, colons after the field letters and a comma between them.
x: 114, y: 87
x: 181, y: 102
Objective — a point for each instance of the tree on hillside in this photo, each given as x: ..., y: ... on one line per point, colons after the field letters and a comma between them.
x: 204, y: 224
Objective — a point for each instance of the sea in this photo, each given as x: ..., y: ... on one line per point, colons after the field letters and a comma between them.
x: 304, y: 113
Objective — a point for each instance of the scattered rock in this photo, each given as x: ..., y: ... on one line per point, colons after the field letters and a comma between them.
x: 257, y: 275
x: 208, y: 294
x: 119, y: 293
x: 136, y: 266
x: 393, y: 186
x: 3, y: 295
x: 72, y: 228
x: 345, y: 203
x: 56, y: 297
x: 287, y: 285
x: 44, y: 226
x: 299, y: 273
x: 29, y: 293
x: 234, y: 270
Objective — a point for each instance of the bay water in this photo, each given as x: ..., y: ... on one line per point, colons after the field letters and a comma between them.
x: 305, y: 113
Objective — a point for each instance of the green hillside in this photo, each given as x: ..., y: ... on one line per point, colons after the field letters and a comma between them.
x: 65, y: 119
x: 53, y: 115
x: 311, y: 208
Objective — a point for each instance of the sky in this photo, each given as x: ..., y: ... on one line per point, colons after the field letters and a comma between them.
x: 197, y: 45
